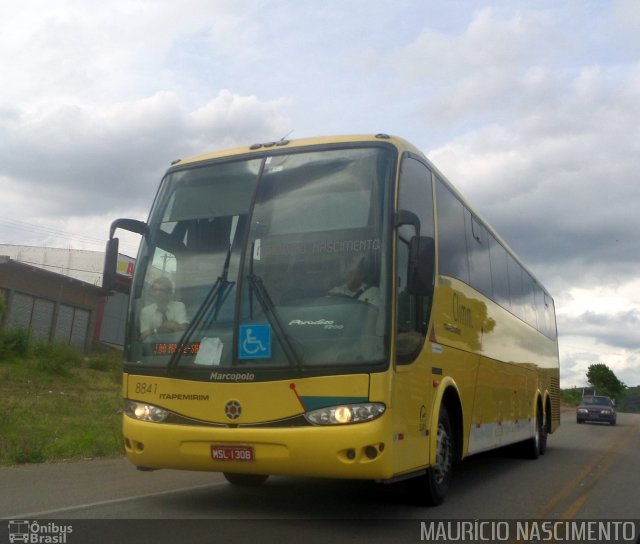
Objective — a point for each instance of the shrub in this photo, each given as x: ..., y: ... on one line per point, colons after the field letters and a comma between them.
x: 56, y: 358
x: 571, y: 396
x: 28, y: 448
x: 14, y: 343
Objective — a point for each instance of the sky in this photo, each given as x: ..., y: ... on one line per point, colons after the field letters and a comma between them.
x: 532, y: 109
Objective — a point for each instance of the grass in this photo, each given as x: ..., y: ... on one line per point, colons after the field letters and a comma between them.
x: 58, y: 404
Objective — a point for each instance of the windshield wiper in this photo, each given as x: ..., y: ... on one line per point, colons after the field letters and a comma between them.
x: 256, y: 286
x: 269, y: 309
x: 215, y: 299
x: 220, y: 287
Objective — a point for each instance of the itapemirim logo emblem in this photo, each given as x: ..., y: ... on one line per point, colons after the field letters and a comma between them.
x: 32, y: 532
x: 233, y: 409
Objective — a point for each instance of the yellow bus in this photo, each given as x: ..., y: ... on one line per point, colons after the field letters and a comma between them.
x: 329, y: 307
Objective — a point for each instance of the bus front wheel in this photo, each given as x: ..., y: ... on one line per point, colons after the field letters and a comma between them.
x: 245, y: 480
x: 432, y: 488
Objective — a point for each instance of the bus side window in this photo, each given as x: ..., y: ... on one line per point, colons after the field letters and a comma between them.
x: 452, y: 243
x: 415, y: 195
x: 499, y: 273
x: 478, y: 255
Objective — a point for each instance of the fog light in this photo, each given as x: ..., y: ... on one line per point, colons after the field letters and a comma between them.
x: 371, y: 452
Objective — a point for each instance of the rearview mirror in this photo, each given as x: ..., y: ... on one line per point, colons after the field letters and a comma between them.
x: 405, y: 217
x: 132, y: 225
x: 110, y: 270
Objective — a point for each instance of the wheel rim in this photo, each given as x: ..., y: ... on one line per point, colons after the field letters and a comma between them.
x: 442, y: 467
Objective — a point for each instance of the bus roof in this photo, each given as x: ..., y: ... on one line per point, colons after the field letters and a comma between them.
x: 261, y: 147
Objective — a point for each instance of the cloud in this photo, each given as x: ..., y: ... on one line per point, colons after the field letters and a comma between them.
x: 88, y: 52
x: 491, y: 68
x: 618, y: 331
x: 231, y: 119
x: 599, y: 324
x: 578, y: 353
x: 89, y: 159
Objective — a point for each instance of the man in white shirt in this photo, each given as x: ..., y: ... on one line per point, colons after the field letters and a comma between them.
x: 355, y: 286
x: 165, y: 314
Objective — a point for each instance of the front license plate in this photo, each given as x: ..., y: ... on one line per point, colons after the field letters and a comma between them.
x: 232, y: 453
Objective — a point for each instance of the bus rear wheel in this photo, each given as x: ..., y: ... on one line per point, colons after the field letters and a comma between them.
x: 245, y: 480
x: 544, y: 437
x: 537, y: 444
x: 432, y: 488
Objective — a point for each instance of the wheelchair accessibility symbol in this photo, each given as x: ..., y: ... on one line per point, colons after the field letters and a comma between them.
x: 255, y: 341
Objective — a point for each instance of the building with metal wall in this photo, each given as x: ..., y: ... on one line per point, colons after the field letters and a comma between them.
x: 57, y: 295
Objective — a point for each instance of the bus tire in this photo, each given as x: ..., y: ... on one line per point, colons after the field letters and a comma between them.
x: 245, y: 480
x: 432, y: 488
x: 532, y: 447
x: 544, y: 435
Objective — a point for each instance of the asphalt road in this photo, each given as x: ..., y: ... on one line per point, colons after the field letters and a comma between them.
x: 590, y: 471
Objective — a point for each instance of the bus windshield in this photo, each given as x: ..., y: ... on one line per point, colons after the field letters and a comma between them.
x: 274, y: 263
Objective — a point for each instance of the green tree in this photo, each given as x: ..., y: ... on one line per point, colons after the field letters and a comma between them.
x: 605, y: 381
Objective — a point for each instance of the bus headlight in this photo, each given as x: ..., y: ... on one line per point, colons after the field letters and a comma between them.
x: 347, y: 413
x: 145, y: 412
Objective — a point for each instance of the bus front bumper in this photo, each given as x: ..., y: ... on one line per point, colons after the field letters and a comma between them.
x: 357, y: 451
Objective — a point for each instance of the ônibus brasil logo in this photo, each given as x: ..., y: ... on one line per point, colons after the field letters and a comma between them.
x: 38, y: 533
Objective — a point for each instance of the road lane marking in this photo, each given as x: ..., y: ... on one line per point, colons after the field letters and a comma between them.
x: 600, y: 471
x: 598, y: 467
x: 109, y: 502
x: 594, y: 470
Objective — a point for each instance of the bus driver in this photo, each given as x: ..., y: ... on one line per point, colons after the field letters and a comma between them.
x: 354, y: 285
x: 164, y: 314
